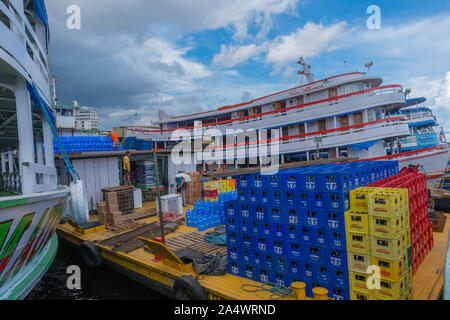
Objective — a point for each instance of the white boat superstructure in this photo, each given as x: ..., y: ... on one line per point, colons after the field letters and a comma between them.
x: 31, y: 202
x: 352, y: 114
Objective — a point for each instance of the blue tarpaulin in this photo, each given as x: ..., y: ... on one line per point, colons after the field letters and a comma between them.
x: 39, y: 7
x: 34, y: 94
x: 363, y: 145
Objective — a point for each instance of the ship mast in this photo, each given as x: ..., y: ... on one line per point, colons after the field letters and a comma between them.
x: 306, y: 70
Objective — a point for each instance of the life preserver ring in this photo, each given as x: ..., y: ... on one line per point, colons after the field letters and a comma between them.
x: 187, y: 288
x: 90, y: 254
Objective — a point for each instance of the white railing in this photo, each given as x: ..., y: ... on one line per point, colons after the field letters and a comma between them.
x: 10, y: 182
x: 353, y: 102
x: 45, y: 177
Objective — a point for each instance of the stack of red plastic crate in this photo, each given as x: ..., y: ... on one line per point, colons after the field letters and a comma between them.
x: 421, y: 227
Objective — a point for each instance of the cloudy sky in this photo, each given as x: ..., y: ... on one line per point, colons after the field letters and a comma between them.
x: 132, y: 58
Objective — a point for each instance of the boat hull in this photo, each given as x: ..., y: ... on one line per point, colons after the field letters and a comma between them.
x: 433, y: 163
x: 28, y: 242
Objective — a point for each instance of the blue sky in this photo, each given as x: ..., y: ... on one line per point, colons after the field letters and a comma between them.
x: 133, y: 58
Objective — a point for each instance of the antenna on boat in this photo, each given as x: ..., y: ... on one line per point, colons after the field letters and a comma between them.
x: 306, y: 70
x: 407, y: 92
x: 368, y: 65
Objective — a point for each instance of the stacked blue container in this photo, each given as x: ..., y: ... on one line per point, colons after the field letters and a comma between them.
x: 289, y: 226
x: 84, y: 144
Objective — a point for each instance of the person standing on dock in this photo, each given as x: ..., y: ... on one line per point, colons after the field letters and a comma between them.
x: 127, y: 169
x: 181, y: 186
x: 115, y: 140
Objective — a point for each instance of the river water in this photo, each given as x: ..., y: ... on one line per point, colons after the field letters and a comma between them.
x: 101, y: 283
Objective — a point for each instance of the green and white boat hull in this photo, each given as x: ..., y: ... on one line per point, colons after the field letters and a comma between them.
x: 28, y: 242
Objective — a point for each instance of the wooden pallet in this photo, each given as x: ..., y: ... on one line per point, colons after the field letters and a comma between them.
x: 195, y: 241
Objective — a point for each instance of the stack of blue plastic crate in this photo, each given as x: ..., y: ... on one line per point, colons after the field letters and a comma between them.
x: 289, y: 226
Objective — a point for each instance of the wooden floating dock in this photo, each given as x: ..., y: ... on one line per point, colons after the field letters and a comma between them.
x: 126, y: 252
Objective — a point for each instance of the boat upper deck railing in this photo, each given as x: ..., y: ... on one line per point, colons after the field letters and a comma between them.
x: 10, y: 182
x: 21, y: 28
x: 286, y: 112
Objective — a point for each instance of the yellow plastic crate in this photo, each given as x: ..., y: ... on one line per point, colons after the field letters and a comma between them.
x: 360, y: 295
x: 358, y: 242
x: 358, y: 262
x: 409, y: 284
x: 391, y: 290
x: 386, y: 227
x: 356, y: 221
x: 406, y: 238
x: 359, y: 198
x: 384, y: 204
x: 358, y: 282
x: 386, y: 248
x: 390, y: 269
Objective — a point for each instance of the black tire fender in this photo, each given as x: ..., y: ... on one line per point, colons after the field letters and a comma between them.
x: 187, y: 288
x: 90, y: 254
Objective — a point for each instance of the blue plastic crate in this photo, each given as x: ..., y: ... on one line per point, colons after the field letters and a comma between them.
x: 256, y: 181
x: 291, y: 180
x: 318, y: 200
x: 278, y: 247
x: 295, y: 268
x: 337, y: 258
x: 242, y: 195
x: 338, y: 180
x: 316, y: 254
x: 254, y: 227
x: 340, y: 277
x: 306, y: 235
x: 246, y: 255
x: 263, y: 197
x: 231, y: 208
x: 295, y: 250
x: 323, y: 273
x: 278, y: 231
x: 277, y: 214
x: 265, y: 229
x: 314, y: 218
x: 336, y: 239
x: 251, y: 196
x: 280, y: 279
x: 294, y: 216
x: 233, y: 253
x: 262, y: 244
x: 311, y: 180
x: 308, y: 270
x: 338, y: 201
x: 335, y: 220
x: 244, y: 211
x: 275, y: 197
x: 232, y: 224
x: 281, y: 264
x: 273, y: 181
x: 259, y: 213
x: 233, y: 238
x: 303, y: 199
x: 250, y: 271
x: 264, y: 275
x: 290, y: 198
x: 245, y: 225
x: 293, y: 233
x: 338, y: 293
x: 269, y: 261
x: 246, y: 241
x: 243, y: 181
x: 257, y: 258
x: 319, y: 237
x: 235, y: 267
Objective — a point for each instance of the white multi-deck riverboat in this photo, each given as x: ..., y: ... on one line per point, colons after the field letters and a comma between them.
x: 351, y: 114
x: 31, y: 202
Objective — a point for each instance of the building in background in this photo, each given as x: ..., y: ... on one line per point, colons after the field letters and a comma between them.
x: 86, y: 118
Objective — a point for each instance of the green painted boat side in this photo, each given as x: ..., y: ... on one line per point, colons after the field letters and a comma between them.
x: 28, y: 242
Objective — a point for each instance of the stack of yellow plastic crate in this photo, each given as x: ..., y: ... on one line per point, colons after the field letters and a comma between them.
x: 378, y: 244
x: 212, y: 189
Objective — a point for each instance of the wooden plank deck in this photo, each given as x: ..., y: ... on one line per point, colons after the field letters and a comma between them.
x: 429, y: 278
